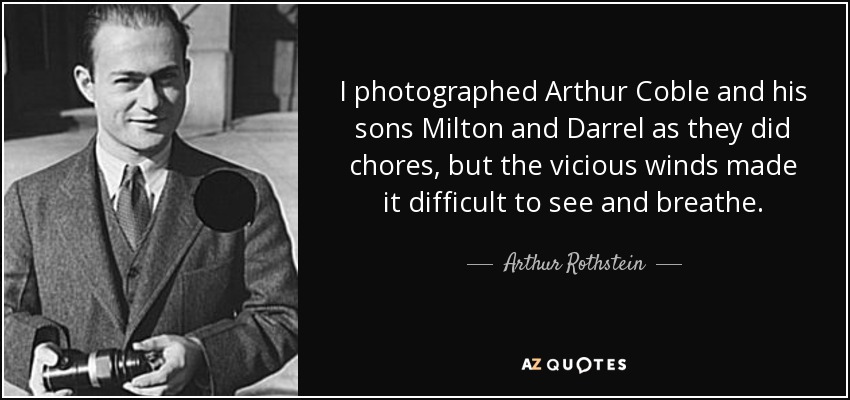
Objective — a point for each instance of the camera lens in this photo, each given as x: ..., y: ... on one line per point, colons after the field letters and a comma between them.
x: 103, y: 368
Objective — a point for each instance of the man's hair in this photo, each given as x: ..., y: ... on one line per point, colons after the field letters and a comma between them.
x: 134, y: 16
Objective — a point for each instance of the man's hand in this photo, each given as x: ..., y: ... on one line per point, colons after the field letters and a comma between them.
x: 45, y: 354
x: 182, y: 357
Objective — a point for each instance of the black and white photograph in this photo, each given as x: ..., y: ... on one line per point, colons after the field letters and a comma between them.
x: 512, y: 199
x: 150, y: 180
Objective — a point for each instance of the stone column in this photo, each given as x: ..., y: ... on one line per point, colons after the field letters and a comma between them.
x: 210, y: 95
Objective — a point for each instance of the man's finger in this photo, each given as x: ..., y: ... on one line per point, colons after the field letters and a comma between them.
x: 63, y: 392
x: 154, y: 343
x: 36, y: 383
x: 46, y: 354
x: 36, y: 387
x: 153, y: 378
x: 150, y: 391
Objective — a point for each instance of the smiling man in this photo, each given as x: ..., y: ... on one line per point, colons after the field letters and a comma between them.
x: 105, y: 249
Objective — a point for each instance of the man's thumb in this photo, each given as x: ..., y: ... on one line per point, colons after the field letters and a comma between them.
x: 154, y: 343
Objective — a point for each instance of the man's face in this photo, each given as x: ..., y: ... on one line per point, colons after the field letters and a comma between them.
x: 139, y: 86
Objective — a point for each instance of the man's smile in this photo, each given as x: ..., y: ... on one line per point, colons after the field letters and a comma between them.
x: 147, y: 122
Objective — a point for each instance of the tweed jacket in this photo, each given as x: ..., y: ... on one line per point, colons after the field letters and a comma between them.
x: 235, y: 291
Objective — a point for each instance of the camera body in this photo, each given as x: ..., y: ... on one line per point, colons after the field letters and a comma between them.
x: 100, y: 369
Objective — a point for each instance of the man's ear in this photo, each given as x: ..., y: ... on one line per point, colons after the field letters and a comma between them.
x: 85, y: 82
x: 187, y: 68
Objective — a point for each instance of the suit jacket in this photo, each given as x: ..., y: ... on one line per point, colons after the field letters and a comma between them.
x: 237, y: 292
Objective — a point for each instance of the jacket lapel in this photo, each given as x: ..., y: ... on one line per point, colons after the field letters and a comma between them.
x: 174, y: 230
x: 84, y: 239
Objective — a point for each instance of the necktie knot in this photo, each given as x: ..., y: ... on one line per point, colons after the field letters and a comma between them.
x: 132, y: 177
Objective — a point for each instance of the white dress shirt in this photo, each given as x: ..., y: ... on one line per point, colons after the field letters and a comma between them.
x: 153, y: 169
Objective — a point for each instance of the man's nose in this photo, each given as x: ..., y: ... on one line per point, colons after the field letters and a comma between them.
x: 149, y: 95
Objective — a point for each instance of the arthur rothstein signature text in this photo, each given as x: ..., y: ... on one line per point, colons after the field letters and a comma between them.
x: 575, y: 263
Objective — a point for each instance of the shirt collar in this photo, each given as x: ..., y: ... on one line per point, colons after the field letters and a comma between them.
x: 153, y: 169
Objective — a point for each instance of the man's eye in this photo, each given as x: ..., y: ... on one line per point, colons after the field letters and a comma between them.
x: 125, y: 81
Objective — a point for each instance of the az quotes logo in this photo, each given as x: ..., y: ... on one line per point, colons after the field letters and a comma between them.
x: 581, y: 365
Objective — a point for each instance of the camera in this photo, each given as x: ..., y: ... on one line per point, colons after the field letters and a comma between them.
x: 100, y: 369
